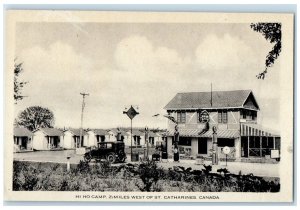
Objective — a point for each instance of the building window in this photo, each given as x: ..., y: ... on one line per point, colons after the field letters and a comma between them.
x: 181, y: 117
x: 185, y: 141
x: 222, y: 116
x: 254, y: 115
x: 244, y: 114
x: 222, y: 142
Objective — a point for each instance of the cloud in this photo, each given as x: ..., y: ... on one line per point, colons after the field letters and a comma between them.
x: 137, y: 56
x: 140, y: 73
x: 225, y: 52
x: 59, y: 61
x: 56, y: 76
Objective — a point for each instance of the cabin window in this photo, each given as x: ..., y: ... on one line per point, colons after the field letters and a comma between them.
x: 181, y: 117
x: 222, y: 116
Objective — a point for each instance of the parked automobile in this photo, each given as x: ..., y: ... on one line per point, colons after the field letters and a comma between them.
x: 111, y: 151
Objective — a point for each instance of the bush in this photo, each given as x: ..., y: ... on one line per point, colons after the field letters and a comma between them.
x: 146, y: 176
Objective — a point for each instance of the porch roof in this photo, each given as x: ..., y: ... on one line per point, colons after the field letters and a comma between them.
x: 195, y: 133
x: 19, y: 132
x: 248, y: 129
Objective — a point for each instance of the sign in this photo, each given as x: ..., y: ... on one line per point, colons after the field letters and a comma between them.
x: 275, y: 153
x: 204, y: 116
x: 226, y: 150
x: 131, y: 113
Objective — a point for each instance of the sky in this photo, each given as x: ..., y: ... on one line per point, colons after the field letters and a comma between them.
x: 140, y: 64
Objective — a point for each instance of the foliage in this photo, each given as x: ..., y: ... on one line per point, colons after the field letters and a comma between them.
x: 18, y: 85
x: 35, y: 117
x: 149, y: 173
x: 272, y: 33
x: 146, y: 176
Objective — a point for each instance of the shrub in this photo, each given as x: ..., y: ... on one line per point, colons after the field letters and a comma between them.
x: 146, y: 176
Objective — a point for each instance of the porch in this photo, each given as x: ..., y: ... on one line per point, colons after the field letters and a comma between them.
x: 22, y: 144
x: 257, y: 142
x: 54, y: 143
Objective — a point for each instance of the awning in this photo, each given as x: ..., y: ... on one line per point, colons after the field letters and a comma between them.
x: 256, y: 130
x: 195, y: 133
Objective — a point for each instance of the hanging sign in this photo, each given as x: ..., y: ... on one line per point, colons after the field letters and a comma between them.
x: 204, y: 116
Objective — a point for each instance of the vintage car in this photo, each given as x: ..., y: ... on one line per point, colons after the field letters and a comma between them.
x: 111, y: 151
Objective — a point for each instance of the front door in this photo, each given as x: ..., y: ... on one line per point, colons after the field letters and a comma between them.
x: 202, y: 145
x: 24, y: 142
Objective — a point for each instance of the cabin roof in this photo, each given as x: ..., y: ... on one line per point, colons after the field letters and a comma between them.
x: 100, y: 132
x: 115, y: 131
x: 76, y: 131
x: 202, y: 100
x: 51, y: 131
x: 22, y: 132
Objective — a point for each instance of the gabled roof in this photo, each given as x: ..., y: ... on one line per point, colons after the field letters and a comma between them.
x: 100, y: 132
x: 152, y: 134
x: 115, y: 131
x: 51, y: 131
x: 202, y: 100
x: 76, y: 131
x: 22, y: 132
x: 136, y: 132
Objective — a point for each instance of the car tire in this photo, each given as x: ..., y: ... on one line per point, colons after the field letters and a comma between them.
x: 111, y: 157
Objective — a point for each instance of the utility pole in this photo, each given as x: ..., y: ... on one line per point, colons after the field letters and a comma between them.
x: 211, y: 100
x: 81, y: 123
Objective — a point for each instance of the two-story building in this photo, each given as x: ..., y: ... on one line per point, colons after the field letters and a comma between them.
x: 233, y: 113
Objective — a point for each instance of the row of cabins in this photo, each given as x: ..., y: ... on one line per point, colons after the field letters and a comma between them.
x: 56, y: 139
x: 233, y: 113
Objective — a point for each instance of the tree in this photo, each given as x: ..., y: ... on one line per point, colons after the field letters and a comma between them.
x: 18, y: 85
x: 272, y: 33
x: 35, y: 117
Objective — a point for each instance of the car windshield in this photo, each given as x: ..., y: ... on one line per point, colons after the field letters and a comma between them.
x: 105, y: 146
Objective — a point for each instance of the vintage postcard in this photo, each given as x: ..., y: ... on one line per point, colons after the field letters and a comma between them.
x: 148, y: 106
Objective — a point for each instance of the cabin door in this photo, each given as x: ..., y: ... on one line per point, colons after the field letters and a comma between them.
x: 24, y: 142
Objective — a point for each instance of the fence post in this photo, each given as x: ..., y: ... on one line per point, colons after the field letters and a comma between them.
x: 68, y: 163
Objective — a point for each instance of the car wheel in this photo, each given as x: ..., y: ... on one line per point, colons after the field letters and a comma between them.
x: 87, y: 157
x: 111, y: 158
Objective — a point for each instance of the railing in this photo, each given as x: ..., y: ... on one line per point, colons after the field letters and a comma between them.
x: 259, y: 152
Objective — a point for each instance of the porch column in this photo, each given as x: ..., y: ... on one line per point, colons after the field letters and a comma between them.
x: 169, y: 144
x: 49, y: 142
x: 248, y: 145
x: 31, y: 143
x: 274, y: 143
x: 237, y: 145
x: 194, y: 146
x: 260, y: 147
